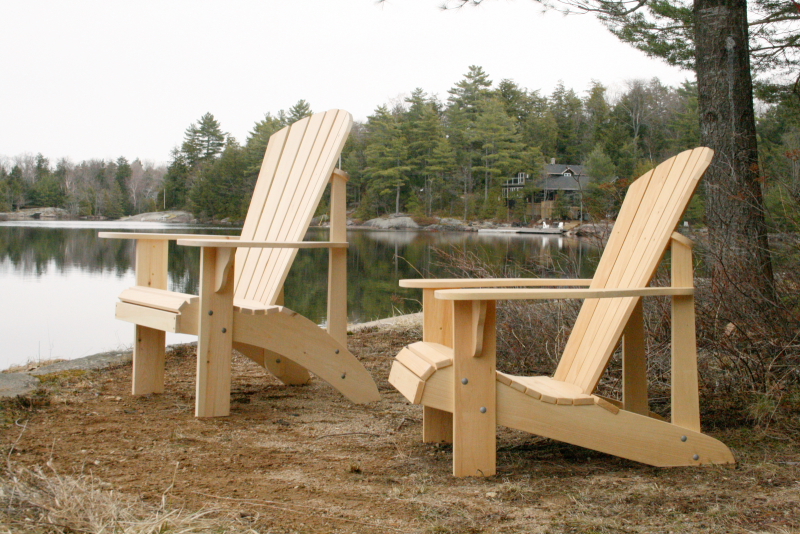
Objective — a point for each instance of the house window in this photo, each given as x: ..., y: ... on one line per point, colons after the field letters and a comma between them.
x: 519, y: 179
x: 568, y: 173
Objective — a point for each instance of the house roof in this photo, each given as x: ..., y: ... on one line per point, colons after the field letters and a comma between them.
x: 560, y: 168
x: 553, y: 178
x: 563, y: 183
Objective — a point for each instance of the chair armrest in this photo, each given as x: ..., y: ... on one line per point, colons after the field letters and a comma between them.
x: 260, y: 244
x: 169, y: 237
x: 458, y: 283
x: 523, y: 294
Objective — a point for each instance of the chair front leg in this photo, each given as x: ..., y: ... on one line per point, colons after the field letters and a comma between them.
x: 149, y: 344
x: 474, y: 389
x: 215, y: 340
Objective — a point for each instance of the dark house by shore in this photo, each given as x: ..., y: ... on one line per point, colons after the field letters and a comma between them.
x: 557, y: 192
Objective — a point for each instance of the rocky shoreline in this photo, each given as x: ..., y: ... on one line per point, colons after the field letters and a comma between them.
x: 35, y: 214
x: 24, y: 379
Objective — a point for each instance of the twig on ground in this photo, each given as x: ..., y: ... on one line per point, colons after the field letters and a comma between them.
x: 13, y: 445
x: 347, y: 434
x: 281, y: 506
x: 172, y: 485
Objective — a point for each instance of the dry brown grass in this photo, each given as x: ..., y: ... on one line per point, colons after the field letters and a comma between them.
x: 40, y: 500
x: 92, y: 458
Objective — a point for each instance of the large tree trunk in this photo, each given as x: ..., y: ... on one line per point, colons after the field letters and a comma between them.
x: 738, y: 253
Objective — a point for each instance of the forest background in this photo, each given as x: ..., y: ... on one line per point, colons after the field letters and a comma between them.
x: 428, y: 157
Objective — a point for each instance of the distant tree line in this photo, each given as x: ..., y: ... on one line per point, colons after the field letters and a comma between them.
x: 91, y: 188
x: 428, y: 157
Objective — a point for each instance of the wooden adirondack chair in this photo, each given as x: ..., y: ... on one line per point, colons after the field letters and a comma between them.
x: 452, y: 371
x: 241, y: 295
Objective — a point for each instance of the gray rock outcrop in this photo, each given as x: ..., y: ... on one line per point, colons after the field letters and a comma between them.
x: 162, y: 216
x: 15, y: 384
x: 393, y: 222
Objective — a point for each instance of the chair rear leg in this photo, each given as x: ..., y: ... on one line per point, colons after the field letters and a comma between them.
x: 148, y: 360
x: 437, y: 327
x: 437, y: 426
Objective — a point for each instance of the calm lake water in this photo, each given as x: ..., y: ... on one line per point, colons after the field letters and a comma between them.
x: 59, y: 281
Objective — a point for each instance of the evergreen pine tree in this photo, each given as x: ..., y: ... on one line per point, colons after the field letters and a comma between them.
x: 568, y: 113
x: 423, y: 130
x: 16, y: 188
x: 203, y: 141
x: 176, y: 181
x: 220, y: 189
x: 122, y: 177
x: 387, y: 159
x: 5, y: 190
x: 257, y: 141
x: 462, y: 111
x: 300, y: 110
x: 500, y: 145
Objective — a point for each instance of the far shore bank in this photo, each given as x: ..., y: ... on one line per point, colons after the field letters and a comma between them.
x: 394, y: 222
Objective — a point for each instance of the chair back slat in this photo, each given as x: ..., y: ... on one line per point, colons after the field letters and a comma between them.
x: 297, y: 166
x: 652, y: 209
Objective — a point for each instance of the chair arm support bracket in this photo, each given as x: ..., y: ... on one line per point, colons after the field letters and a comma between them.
x: 224, y: 261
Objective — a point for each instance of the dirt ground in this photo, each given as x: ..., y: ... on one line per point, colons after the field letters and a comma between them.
x: 304, y: 459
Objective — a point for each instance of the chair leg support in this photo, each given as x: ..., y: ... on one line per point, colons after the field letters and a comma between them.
x: 474, y: 390
x: 296, y: 337
x: 284, y: 369
x: 148, y: 361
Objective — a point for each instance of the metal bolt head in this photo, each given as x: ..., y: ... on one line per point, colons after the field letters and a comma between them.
x: 336, y: 351
x: 344, y: 375
x: 684, y: 438
x: 464, y: 381
x: 483, y: 409
x: 211, y: 312
x: 224, y: 330
x: 278, y: 360
x: 696, y: 457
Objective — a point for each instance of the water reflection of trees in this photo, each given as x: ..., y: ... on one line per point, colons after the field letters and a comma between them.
x: 376, y: 261
x: 38, y: 251
x: 33, y: 250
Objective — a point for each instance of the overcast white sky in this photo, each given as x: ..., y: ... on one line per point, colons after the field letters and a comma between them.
x: 100, y: 79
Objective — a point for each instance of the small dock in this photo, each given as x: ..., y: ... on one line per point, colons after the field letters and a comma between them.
x: 539, y: 231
